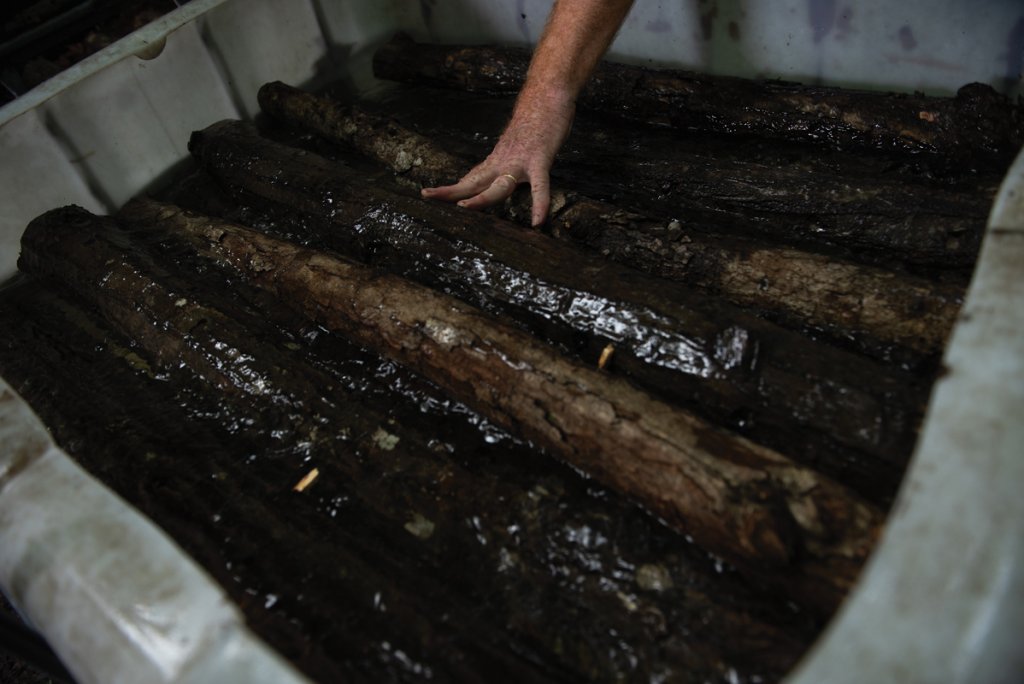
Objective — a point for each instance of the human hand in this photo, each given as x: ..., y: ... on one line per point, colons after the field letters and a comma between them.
x: 523, y: 154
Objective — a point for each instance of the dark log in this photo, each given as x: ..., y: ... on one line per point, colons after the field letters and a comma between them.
x: 978, y: 126
x: 861, y: 208
x: 873, y: 306
x: 881, y: 313
x: 746, y: 502
x: 847, y: 415
x: 382, y: 487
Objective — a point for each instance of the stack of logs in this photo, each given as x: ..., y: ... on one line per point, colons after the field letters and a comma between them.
x: 726, y: 321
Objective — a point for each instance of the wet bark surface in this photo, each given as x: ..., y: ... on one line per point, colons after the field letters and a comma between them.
x: 875, y: 212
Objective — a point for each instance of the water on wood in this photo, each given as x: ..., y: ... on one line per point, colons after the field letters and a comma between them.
x: 371, y: 527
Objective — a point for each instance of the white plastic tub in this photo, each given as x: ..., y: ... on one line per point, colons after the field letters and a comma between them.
x: 941, y: 598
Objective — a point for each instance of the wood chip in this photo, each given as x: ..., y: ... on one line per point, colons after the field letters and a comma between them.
x: 307, y: 480
x: 606, y: 356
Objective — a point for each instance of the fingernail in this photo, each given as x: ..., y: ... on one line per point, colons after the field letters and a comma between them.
x: 462, y: 203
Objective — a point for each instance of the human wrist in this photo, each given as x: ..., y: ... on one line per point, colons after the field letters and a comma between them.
x: 542, y: 102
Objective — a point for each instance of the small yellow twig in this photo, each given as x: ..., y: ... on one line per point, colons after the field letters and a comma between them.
x: 606, y: 356
x: 307, y: 480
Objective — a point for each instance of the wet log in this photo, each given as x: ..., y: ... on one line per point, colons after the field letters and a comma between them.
x: 859, y: 206
x: 847, y: 415
x: 878, y: 312
x: 860, y: 209
x: 412, y: 500
x: 872, y: 306
x: 400, y: 149
x: 735, y: 498
x: 978, y: 126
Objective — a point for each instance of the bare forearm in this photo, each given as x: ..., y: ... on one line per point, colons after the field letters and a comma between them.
x: 577, y: 34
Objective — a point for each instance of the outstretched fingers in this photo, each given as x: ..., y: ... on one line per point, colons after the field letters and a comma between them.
x: 482, y: 189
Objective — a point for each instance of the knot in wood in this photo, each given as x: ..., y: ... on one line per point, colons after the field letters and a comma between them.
x: 443, y: 333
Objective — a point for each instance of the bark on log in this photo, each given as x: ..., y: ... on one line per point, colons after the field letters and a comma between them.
x: 400, y: 149
x: 879, y: 312
x: 849, y: 416
x: 848, y: 301
x: 977, y: 126
x: 181, y: 326
x: 860, y: 209
x: 734, y: 497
